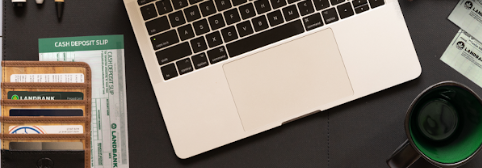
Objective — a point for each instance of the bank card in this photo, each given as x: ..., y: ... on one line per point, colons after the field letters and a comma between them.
x: 464, y: 54
x: 468, y: 16
x: 52, y: 78
x: 46, y: 112
x: 28, y: 95
x: 44, y: 146
x: 46, y: 129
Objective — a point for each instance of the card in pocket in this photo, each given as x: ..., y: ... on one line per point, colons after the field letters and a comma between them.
x: 28, y: 95
x: 49, y: 78
x: 46, y: 112
x: 45, y: 129
x: 45, y: 146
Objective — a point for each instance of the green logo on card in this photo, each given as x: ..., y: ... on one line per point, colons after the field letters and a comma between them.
x: 15, y: 97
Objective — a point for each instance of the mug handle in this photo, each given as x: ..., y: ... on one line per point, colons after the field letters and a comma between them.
x: 404, y: 156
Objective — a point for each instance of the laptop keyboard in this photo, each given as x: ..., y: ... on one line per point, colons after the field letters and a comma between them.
x: 189, y: 35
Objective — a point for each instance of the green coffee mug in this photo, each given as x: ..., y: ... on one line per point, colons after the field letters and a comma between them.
x: 443, y: 125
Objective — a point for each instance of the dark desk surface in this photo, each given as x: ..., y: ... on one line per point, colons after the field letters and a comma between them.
x: 362, y: 133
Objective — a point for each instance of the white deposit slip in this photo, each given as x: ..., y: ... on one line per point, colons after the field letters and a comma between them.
x: 105, y: 56
x: 468, y: 16
x: 464, y: 54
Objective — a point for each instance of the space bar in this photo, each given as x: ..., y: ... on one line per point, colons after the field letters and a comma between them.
x: 265, y: 38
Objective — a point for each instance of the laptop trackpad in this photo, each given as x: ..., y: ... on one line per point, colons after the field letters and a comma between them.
x: 284, y: 81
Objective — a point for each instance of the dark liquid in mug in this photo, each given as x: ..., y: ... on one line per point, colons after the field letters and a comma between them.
x: 437, y: 119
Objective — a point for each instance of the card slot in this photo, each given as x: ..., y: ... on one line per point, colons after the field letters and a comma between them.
x: 44, y: 64
x: 7, y: 138
x: 46, y: 146
x: 34, y: 91
x: 36, y: 137
x: 71, y: 159
x: 67, y: 128
x: 51, y: 94
x: 44, y: 119
x: 44, y: 102
x: 45, y: 67
x: 44, y: 85
x: 45, y: 108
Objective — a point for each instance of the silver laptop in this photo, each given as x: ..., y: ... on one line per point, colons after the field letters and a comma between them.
x: 224, y: 70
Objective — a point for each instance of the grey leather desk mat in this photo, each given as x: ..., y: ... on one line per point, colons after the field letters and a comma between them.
x: 362, y: 133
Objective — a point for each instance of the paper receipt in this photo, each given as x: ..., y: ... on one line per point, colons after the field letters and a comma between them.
x: 464, y: 54
x: 468, y: 16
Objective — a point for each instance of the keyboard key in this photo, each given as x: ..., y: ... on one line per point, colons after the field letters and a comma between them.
x: 260, y: 23
x: 185, y: 32
x: 198, y: 44
x: 184, y: 66
x: 163, y: 7
x: 173, y: 53
x: 194, y: 1
x: 293, y: 1
x: 247, y: 11
x: 216, y: 55
x: 232, y: 16
x: 177, y: 18
x: 223, y: 4
x: 157, y: 25
x: 214, y: 39
x: 330, y: 15
x: 305, y: 7
x: 376, y: 3
x: 192, y: 13
x: 361, y: 8
x: 148, y: 12
x: 142, y: 2
x: 262, y: 6
x: 207, y: 8
x: 265, y: 38
x: 229, y: 34
x: 201, y: 27
x: 313, y: 21
x: 244, y: 28
x: 238, y: 2
x: 290, y: 13
x: 321, y: 4
x: 178, y: 4
x: 216, y: 22
x: 278, y: 3
x: 169, y: 71
x: 357, y: 3
x: 165, y: 39
x: 335, y: 2
x: 345, y: 10
x: 275, y: 18
x: 200, y: 61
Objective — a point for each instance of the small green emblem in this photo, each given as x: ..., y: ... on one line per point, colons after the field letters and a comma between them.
x: 15, y: 97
